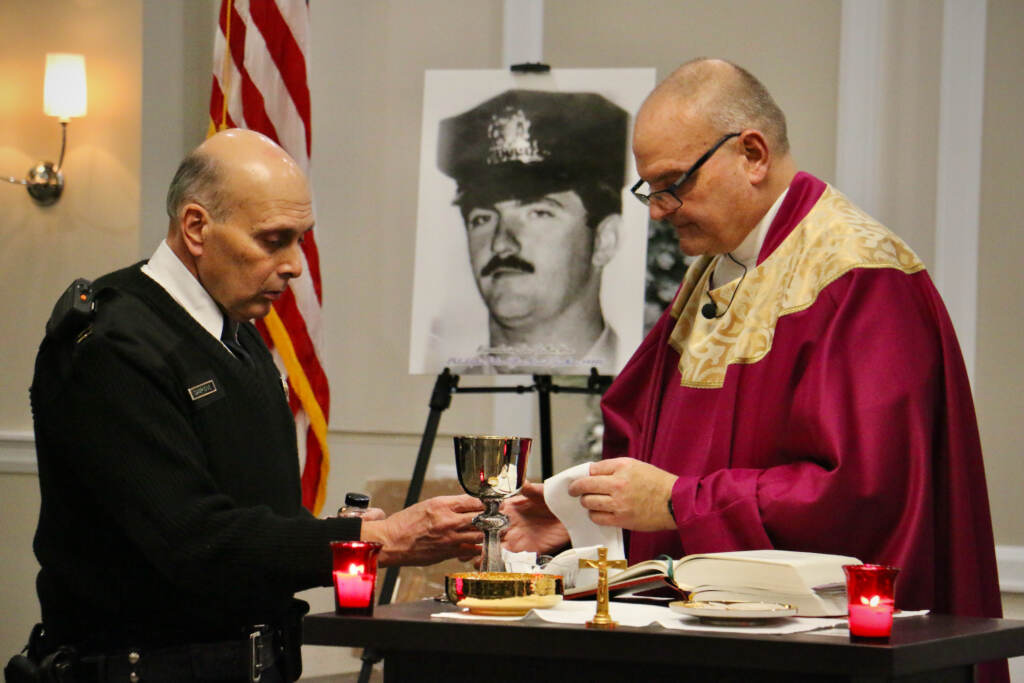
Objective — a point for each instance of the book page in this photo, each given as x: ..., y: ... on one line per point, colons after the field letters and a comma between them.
x: 779, y: 571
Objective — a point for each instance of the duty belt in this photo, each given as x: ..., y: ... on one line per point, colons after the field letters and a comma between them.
x: 234, y: 660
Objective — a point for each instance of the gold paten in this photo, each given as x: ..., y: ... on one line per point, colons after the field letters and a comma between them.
x: 503, y: 593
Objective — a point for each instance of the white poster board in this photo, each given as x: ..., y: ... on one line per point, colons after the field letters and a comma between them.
x: 452, y: 326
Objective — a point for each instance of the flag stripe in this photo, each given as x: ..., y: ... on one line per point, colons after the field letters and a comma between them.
x: 278, y: 105
x: 297, y: 377
x: 216, y: 105
x: 253, y: 111
x: 296, y: 16
x: 220, y: 116
x: 228, y: 79
x: 303, y: 346
x: 304, y: 288
x: 287, y: 56
x: 260, y: 82
x: 302, y: 432
x: 293, y: 348
x: 312, y: 254
x: 314, y: 474
x: 216, y: 110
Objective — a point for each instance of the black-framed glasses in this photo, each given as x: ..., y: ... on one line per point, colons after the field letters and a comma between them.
x: 666, y: 199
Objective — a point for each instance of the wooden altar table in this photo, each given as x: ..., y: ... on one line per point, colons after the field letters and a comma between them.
x: 415, y: 647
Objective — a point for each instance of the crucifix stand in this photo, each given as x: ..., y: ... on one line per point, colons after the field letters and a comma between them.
x: 602, y: 618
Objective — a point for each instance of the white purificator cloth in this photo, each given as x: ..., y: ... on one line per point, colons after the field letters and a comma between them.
x: 585, y: 535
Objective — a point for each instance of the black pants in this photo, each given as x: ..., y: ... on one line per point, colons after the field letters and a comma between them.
x: 223, y: 662
x: 271, y: 675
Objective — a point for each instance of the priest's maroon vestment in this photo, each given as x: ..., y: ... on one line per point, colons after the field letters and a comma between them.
x: 827, y: 410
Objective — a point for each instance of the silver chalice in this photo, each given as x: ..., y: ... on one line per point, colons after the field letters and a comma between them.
x: 491, y: 468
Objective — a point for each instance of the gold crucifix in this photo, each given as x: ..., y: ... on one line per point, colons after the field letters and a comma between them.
x: 602, y: 618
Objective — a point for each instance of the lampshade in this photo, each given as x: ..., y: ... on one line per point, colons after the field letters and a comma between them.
x: 64, y: 93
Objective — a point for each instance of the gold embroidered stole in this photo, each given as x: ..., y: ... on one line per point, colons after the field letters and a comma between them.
x: 833, y: 238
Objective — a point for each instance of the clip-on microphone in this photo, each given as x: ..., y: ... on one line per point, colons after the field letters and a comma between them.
x: 710, y: 309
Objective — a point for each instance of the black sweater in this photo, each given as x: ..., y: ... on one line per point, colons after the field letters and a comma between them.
x: 171, y: 507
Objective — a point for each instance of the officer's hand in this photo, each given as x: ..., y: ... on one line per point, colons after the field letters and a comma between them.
x: 427, y: 532
x: 626, y: 493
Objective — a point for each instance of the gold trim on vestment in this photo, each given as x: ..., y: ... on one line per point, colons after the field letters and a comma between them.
x: 834, y: 238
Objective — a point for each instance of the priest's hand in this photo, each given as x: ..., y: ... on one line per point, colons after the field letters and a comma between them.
x: 427, y: 532
x: 627, y: 493
x: 532, y: 526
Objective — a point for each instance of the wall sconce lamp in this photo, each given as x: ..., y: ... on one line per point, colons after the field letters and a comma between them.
x: 64, y: 96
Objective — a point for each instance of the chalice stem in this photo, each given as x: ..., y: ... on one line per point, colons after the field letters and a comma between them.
x: 491, y: 561
x: 491, y: 522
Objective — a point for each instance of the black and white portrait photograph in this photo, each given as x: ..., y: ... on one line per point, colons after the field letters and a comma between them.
x: 529, y: 259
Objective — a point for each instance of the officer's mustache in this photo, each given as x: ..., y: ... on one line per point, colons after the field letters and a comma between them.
x: 512, y: 262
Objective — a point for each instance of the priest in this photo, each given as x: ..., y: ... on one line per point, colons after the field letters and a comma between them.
x: 805, y: 389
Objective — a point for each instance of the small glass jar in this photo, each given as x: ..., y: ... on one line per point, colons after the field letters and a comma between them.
x: 356, y: 505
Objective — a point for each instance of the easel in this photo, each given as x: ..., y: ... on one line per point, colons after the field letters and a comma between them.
x: 441, y: 398
x: 448, y: 384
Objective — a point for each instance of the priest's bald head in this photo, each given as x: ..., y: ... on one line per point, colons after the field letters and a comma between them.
x: 238, y: 208
x: 712, y: 152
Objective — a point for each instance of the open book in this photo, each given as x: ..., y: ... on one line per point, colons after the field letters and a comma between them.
x: 814, y: 583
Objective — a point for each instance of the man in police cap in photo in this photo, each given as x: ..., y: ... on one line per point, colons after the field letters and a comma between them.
x: 539, y: 184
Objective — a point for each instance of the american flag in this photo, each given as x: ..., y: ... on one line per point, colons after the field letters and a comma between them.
x: 260, y: 83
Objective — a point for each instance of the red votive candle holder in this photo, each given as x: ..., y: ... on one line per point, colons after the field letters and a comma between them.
x: 870, y: 597
x: 355, y: 573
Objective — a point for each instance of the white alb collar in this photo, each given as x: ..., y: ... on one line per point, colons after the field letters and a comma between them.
x: 726, y: 270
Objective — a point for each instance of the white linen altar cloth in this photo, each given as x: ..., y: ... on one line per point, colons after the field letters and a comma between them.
x: 630, y: 614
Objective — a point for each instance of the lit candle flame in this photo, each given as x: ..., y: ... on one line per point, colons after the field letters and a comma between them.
x: 356, y: 569
x: 873, y: 602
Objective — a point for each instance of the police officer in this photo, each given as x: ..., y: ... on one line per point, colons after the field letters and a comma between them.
x: 539, y: 180
x: 171, y: 533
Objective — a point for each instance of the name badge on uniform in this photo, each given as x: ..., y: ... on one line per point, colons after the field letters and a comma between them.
x: 202, y: 390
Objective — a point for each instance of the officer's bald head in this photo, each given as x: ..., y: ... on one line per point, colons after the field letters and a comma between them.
x: 227, y: 167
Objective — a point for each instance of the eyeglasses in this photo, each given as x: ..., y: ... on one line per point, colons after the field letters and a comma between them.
x: 666, y: 199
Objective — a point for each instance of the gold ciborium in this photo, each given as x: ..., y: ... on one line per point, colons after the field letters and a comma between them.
x: 503, y: 593
x: 491, y: 468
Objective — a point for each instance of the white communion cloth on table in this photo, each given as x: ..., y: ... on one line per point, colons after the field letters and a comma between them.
x: 637, y: 615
